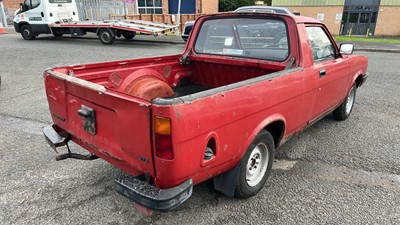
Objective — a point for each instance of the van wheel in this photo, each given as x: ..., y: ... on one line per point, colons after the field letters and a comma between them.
x: 106, y: 36
x: 129, y: 35
x: 27, y: 33
x: 343, y: 111
x: 256, y: 166
x: 57, y: 33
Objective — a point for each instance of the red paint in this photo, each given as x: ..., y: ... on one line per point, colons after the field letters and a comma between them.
x: 229, y: 118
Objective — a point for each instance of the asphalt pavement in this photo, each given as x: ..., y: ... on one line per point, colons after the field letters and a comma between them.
x: 176, y: 39
x: 333, y: 173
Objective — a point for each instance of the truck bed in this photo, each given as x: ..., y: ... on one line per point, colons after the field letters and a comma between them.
x: 197, y: 76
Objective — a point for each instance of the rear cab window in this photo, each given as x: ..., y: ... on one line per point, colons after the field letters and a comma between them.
x: 257, y: 38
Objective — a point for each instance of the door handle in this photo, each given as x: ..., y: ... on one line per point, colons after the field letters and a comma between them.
x: 322, y: 73
x: 42, y: 14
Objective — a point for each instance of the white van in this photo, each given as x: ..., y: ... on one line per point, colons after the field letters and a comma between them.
x: 60, y: 17
x: 34, y: 16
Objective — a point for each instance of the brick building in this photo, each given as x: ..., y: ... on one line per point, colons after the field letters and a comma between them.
x: 9, y: 7
x: 171, y: 6
x: 355, y: 17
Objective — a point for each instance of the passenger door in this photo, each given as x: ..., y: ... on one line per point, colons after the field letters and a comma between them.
x: 330, y: 71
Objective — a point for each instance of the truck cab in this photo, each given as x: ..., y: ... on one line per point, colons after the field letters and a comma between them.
x: 34, y: 16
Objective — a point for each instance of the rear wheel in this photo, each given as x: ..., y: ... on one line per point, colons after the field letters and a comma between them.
x: 106, y: 36
x: 344, y: 110
x: 256, y: 166
x: 27, y: 33
x: 129, y: 35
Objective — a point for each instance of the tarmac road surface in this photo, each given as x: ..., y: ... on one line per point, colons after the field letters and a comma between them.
x: 333, y: 173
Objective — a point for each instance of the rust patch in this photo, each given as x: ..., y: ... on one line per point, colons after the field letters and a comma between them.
x: 109, y: 155
x: 178, y: 114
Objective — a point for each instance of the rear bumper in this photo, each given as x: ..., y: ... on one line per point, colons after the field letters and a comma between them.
x: 133, y: 187
x: 149, y: 196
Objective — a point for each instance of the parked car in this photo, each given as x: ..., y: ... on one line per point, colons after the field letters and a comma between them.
x: 216, y: 111
x: 255, y: 8
x: 187, y: 29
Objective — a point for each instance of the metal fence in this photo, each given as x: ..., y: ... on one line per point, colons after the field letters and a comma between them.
x: 3, y: 18
x: 101, y: 9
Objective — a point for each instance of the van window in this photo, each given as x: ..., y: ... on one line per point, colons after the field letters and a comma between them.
x: 31, y: 4
x: 35, y: 3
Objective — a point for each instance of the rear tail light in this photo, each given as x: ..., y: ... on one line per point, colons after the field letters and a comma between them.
x: 163, y: 138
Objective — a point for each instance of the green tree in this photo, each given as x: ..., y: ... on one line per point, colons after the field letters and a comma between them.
x: 230, y: 5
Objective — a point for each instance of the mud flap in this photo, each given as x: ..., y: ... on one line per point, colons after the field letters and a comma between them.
x: 226, y: 182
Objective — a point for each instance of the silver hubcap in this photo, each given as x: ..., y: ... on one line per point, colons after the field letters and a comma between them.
x: 105, y: 36
x: 350, y: 100
x: 27, y: 33
x: 257, y: 164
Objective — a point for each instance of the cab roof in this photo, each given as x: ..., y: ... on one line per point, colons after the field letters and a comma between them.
x: 297, y: 19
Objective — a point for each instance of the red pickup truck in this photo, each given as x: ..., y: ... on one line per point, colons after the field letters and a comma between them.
x: 217, y: 111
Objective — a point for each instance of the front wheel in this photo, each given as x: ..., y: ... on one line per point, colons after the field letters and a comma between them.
x: 256, y: 166
x: 27, y: 33
x: 106, y: 36
x: 343, y: 111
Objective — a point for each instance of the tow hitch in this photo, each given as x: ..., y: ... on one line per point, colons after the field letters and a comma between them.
x: 55, y: 140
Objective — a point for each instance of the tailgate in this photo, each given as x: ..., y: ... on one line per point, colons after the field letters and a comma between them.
x: 112, y: 125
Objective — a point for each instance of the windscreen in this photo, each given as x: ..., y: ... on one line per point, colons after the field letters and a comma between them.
x: 244, y: 37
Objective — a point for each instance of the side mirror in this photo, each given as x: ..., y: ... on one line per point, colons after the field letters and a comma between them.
x: 21, y: 7
x: 346, y: 49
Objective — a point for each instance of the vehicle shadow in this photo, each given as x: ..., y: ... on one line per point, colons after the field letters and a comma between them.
x: 119, y: 42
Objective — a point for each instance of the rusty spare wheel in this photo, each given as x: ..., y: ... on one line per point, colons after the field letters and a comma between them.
x: 148, y: 88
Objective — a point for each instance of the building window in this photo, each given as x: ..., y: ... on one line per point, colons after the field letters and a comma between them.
x: 149, y: 6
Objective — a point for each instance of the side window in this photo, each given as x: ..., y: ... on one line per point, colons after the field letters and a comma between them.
x: 35, y: 3
x: 31, y: 4
x: 321, y: 46
x: 27, y: 5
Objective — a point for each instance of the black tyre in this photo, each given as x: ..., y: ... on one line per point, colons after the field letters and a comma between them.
x: 343, y: 111
x: 129, y: 35
x: 27, y: 33
x: 57, y: 33
x: 256, y: 166
x: 106, y: 36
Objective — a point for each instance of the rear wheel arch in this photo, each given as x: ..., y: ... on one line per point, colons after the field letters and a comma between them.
x: 274, y: 124
x: 276, y: 129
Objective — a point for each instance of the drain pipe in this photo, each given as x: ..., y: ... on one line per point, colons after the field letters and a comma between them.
x: 179, y: 19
